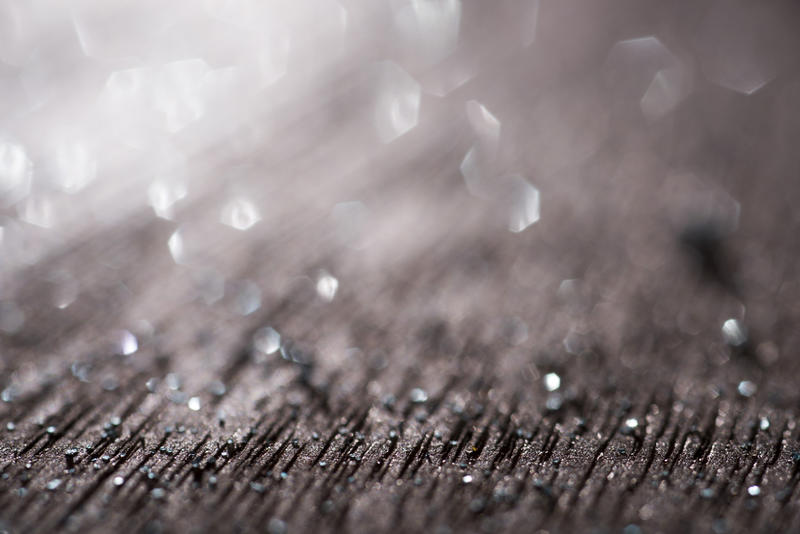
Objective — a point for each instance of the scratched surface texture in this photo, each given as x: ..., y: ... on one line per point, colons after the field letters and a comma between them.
x: 538, y: 275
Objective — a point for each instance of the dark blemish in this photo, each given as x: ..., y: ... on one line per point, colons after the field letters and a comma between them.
x: 703, y: 241
x: 69, y: 456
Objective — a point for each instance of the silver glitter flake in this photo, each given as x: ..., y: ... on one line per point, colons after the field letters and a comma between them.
x: 552, y: 381
x: 15, y: 173
x: 397, y: 105
x: 418, y: 396
x: 240, y: 214
x: 747, y: 388
x: 162, y: 196
x: 524, y: 204
x: 176, y: 249
x: 428, y: 28
x: 126, y: 343
x: 327, y: 286
x: 267, y: 340
x: 247, y: 297
x: 485, y: 126
x: 644, y: 70
x: 734, y: 333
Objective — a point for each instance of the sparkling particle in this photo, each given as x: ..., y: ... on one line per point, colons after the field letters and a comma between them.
x: 734, y: 333
x: 119, y: 481
x: 631, y: 64
x: 632, y: 423
x: 669, y: 88
x: 732, y: 50
x: 644, y: 69
x: 429, y: 29
x: 485, y: 126
x: 552, y: 381
x: 151, y: 384
x: 240, y: 214
x: 754, y: 491
x: 397, y: 105
x: 327, y: 286
x: 176, y: 248
x: 466, y: 479
x: 15, y: 173
x: 64, y: 289
x: 54, y: 484
x: 9, y: 394
x: 267, y: 340
x: 418, y: 396
x: 477, y: 170
x: 747, y: 388
x: 81, y: 370
x: 109, y: 383
x: 524, y: 204
x: 127, y: 343
x: 247, y: 297
x: 194, y: 404
x: 217, y: 388
x: 162, y: 196
x: 10, y: 426
x: 763, y: 424
x: 158, y: 493
x: 174, y: 381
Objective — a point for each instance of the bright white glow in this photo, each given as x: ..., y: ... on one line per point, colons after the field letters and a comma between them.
x: 327, y: 286
x: 552, y: 381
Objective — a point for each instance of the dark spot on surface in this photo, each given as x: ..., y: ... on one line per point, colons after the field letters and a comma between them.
x: 704, y: 241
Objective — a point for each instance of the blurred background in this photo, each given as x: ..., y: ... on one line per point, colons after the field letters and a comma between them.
x: 550, y: 175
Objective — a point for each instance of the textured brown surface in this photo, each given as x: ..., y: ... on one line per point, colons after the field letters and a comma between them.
x: 436, y: 319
